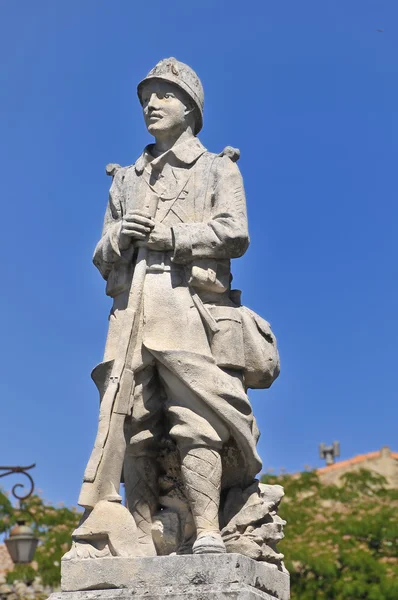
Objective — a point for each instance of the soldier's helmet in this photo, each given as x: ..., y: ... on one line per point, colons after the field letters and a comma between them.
x: 181, y: 75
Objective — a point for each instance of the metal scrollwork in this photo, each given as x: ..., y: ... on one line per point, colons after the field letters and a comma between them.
x: 23, y: 471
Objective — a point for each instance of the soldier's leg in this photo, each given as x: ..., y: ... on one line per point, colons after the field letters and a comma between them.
x: 200, y: 435
x: 140, y: 466
x: 201, y: 473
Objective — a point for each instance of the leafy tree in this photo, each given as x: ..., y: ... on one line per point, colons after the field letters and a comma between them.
x: 53, y: 526
x: 341, y: 541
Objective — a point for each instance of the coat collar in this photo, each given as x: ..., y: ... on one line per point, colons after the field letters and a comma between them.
x: 185, y: 154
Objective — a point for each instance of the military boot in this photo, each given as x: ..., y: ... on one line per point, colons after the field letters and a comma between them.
x: 201, y: 473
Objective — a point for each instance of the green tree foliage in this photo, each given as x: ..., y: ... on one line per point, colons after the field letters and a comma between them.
x: 53, y: 526
x: 341, y: 542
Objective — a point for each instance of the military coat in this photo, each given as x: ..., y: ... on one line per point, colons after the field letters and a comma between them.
x: 186, y: 304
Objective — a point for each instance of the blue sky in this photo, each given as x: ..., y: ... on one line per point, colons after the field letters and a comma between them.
x: 309, y: 92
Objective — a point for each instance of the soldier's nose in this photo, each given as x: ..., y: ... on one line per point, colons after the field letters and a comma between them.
x: 153, y: 101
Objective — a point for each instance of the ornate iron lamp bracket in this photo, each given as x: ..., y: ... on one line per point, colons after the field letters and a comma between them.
x: 23, y: 470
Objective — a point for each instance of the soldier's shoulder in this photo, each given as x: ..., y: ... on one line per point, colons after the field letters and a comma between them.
x: 225, y: 161
x: 115, y: 170
x: 233, y: 154
x: 224, y: 164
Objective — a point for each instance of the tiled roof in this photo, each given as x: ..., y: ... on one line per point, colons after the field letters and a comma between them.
x: 354, y: 461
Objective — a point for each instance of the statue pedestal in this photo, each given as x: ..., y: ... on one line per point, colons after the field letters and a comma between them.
x: 190, y: 577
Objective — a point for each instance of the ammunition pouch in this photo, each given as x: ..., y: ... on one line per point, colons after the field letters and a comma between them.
x: 210, y: 275
x: 119, y: 278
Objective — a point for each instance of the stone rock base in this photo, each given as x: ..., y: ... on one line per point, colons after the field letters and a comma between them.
x: 191, y: 577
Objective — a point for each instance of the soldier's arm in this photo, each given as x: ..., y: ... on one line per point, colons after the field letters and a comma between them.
x: 224, y: 234
x: 107, y: 251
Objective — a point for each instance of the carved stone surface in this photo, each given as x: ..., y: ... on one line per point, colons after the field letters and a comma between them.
x: 175, y: 422
x: 228, y: 575
x: 253, y: 526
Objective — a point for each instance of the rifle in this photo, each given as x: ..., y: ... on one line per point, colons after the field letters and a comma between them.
x: 103, y: 472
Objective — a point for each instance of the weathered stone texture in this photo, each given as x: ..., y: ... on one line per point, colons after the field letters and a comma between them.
x: 175, y: 422
x: 185, y: 577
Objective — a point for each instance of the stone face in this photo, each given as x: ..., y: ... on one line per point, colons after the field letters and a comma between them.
x: 205, y: 576
x: 175, y: 422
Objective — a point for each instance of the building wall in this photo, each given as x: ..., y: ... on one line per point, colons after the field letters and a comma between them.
x: 383, y: 462
x: 6, y: 563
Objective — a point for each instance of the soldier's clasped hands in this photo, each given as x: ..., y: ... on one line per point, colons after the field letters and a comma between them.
x: 139, y: 226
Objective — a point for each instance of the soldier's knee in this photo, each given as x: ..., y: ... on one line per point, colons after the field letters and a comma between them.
x: 144, y: 443
x: 187, y: 438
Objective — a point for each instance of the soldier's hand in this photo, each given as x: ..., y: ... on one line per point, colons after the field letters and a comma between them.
x: 135, y: 225
x: 160, y: 238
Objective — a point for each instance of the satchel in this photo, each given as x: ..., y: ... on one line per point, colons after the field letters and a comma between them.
x: 262, y: 365
x: 227, y: 341
x: 244, y: 341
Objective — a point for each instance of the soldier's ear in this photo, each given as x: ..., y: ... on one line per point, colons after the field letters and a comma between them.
x: 189, y: 108
x: 190, y: 114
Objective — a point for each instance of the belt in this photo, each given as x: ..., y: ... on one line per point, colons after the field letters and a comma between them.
x: 160, y: 262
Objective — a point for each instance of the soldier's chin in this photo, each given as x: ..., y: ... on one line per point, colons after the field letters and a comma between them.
x: 157, y: 127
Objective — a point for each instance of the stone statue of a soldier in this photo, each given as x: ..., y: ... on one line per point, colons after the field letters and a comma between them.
x: 175, y: 420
